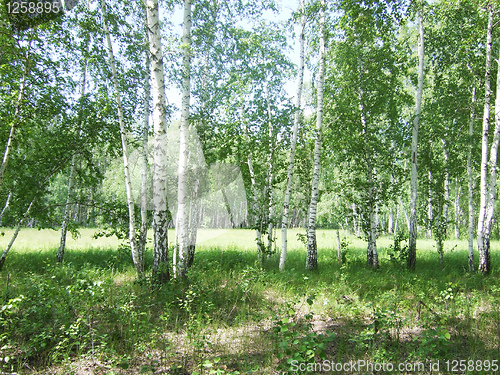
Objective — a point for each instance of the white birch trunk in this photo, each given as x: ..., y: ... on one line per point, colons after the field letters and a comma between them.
x: 161, y: 214
x: 312, y: 249
x: 293, y: 145
x: 483, y: 240
x: 14, y: 236
x: 182, y: 192
x: 412, y: 242
x: 446, y: 191
x: 472, y: 267
x: 144, y: 153
x: 17, y: 114
x: 64, y: 225
x: 484, y: 258
x: 121, y: 119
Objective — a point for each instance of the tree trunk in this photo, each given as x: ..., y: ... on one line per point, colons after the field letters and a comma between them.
x: 182, y: 190
x: 472, y: 267
x: 17, y: 115
x: 14, y: 236
x: 412, y: 242
x: 293, y: 144
x: 136, y: 257
x: 446, y: 191
x: 64, y: 225
x: 483, y: 233
x: 141, y: 243
x: 5, y: 207
x: 457, y: 209
x: 312, y: 249
x: 430, y: 216
x: 161, y: 214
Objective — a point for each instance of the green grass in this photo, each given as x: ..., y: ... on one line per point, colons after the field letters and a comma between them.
x: 233, y: 317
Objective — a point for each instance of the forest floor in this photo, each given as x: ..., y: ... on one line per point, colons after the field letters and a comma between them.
x: 90, y: 315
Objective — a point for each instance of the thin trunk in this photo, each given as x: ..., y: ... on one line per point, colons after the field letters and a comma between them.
x: 412, y: 242
x: 14, y: 236
x: 390, y: 222
x: 161, y: 214
x: 339, y: 248
x: 270, y: 177
x: 300, y: 83
x: 64, y: 225
x: 17, y: 115
x: 484, y: 259
x: 457, y: 209
x: 312, y: 249
x: 182, y: 189
x: 144, y: 152
x: 121, y: 119
x: 193, y: 220
x: 446, y: 191
x: 472, y: 267
x: 430, y: 216
x: 5, y: 207
x: 483, y: 234
x: 406, y: 214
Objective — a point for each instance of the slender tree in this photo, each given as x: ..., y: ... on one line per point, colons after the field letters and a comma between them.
x: 412, y: 242
x: 182, y: 190
x: 293, y: 143
x: 136, y: 257
x: 483, y: 240
x: 312, y: 250
x: 161, y: 214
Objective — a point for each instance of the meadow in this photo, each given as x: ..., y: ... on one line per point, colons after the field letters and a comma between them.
x: 90, y: 315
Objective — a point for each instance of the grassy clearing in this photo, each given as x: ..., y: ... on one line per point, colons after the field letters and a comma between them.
x: 90, y: 316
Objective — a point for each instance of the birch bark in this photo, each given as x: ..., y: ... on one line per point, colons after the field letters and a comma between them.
x: 412, y: 242
x: 296, y: 120
x: 160, y: 171
x: 136, y: 257
x: 483, y: 240
x: 312, y: 249
x: 470, y: 176
x: 182, y: 192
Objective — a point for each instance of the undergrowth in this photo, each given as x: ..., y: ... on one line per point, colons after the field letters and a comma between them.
x: 232, y: 317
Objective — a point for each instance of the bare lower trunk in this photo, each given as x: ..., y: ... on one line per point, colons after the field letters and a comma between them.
x: 412, y: 242
x: 339, y: 248
x: 458, y: 210
x: 64, y: 226
x: 312, y: 249
x: 300, y: 82
x: 446, y: 191
x: 136, y: 257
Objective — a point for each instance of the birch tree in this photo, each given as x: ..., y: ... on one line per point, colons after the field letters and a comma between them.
x: 488, y: 166
x: 136, y: 257
x: 412, y: 242
x: 312, y: 247
x: 182, y: 227
x: 293, y: 143
x: 161, y: 214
